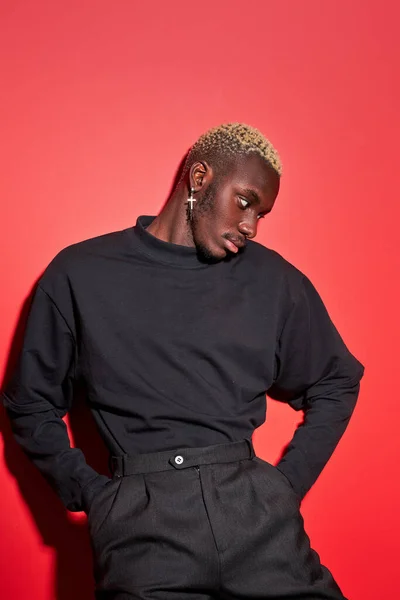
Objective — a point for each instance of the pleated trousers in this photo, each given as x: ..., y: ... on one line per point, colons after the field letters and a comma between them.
x: 212, y: 522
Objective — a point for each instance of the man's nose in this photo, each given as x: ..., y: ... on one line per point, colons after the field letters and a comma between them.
x: 249, y: 229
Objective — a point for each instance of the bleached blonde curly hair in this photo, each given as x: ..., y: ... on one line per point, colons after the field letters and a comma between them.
x: 219, y: 144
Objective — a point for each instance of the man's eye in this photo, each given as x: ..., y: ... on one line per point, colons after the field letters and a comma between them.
x: 261, y: 217
x: 243, y: 202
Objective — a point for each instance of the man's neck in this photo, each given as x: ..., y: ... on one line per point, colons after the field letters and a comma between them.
x: 170, y: 225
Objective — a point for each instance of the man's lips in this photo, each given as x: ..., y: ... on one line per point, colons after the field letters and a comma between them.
x: 233, y: 246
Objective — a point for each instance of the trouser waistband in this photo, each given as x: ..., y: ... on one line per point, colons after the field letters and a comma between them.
x: 181, y: 458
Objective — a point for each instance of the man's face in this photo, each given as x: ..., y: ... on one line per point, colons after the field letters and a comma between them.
x: 227, y: 211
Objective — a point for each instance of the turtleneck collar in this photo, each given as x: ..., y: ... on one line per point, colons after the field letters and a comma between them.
x: 161, y: 251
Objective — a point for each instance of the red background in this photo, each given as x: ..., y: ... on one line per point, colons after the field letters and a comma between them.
x: 99, y: 102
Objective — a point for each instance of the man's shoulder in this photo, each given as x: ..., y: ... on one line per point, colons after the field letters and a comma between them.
x: 86, y: 253
x: 273, y: 262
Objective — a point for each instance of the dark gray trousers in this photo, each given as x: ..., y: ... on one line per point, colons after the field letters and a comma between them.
x: 214, y: 522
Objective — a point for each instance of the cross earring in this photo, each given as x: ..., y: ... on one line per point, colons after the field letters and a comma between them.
x: 190, y: 201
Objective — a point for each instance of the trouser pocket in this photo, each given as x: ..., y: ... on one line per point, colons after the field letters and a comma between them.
x: 276, y: 475
x: 103, y: 505
x: 116, y: 526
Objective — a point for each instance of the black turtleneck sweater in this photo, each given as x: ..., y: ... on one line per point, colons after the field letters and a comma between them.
x: 174, y: 352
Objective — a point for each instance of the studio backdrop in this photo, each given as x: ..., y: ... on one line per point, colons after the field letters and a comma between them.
x: 99, y: 102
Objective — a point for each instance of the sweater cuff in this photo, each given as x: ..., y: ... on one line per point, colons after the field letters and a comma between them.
x: 297, y: 474
x: 89, y: 491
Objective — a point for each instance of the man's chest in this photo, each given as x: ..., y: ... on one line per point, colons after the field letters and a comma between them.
x: 221, y: 323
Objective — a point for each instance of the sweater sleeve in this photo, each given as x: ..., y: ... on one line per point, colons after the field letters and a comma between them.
x: 39, y: 394
x: 316, y: 373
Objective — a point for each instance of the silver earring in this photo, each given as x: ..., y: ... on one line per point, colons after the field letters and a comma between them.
x: 190, y: 201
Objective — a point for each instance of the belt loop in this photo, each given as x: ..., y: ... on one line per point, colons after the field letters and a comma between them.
x: 250, y: 444
x: 117, y: 463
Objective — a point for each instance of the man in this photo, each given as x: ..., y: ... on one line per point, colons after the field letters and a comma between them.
x: 178, y: 327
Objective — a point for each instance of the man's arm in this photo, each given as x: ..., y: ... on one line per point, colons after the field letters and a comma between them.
x: 316, y: 373
x: 39, y: 394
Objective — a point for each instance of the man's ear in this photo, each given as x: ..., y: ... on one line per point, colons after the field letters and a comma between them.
x: 200, y: 175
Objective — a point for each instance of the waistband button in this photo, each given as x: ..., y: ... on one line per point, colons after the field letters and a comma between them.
x: 179, y: 459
